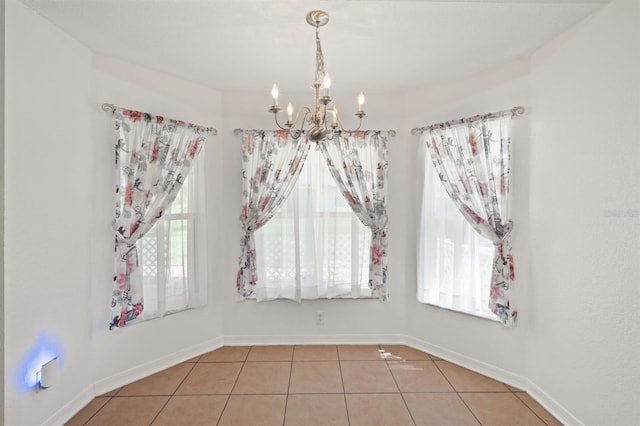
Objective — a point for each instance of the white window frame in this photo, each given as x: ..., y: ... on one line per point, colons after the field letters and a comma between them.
x: 195, y: 292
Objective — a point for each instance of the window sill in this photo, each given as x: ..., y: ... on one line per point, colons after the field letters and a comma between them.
x: 490, y: 317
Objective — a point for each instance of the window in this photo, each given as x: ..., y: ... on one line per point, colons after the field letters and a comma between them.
x: 167, y: 255
x: 455, y: 262
x: 315, y: 246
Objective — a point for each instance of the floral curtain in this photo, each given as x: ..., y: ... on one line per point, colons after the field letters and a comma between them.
x: 153, y: 156
x: 358, y: 164
x: 271, y: 163
x: 472, y: 159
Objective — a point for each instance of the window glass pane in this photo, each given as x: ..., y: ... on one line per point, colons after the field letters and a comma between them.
x: 148, y: 258
x: 176, y: 291
x: 180, y: 204
x: 164, y: 255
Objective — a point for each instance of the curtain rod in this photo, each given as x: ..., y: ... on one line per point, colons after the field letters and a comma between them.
x: 514, y: 112
x: 106, y: 107
x: 240, y: 131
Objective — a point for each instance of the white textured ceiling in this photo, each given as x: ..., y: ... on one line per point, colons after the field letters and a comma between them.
x: 382, y: 46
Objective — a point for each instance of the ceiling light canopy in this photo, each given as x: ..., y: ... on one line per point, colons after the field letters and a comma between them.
x: 321, y: 125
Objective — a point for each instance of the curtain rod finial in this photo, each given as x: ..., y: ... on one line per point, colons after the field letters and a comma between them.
x: 108, y: 107
x: 518, y: 111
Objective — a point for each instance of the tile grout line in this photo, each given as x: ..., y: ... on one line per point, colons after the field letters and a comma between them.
x: 286, y: 400
x: 99, y: 409
x: 344, y: 391
x: 235, y: 382
x: 456, y: 392
x: 174, y: 392
x: 398, y: 386
x: 531, y: 409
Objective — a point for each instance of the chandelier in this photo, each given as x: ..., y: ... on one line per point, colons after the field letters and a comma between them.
x: 321, y: 125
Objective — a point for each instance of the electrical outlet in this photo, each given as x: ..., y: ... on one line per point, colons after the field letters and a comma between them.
x: 319, y: 318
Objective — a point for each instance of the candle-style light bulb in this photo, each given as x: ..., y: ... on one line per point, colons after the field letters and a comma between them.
x: 360, y: 101
x: 326, y: 82
x: 290, y: 111
x: 274, y: 94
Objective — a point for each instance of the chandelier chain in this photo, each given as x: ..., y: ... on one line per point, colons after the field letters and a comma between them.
x: 320, y: 72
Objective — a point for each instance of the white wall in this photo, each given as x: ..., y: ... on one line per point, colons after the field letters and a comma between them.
x: 48, y: 198
x: 59, y: 202
x: 2, y: 381
x: 584, y: 343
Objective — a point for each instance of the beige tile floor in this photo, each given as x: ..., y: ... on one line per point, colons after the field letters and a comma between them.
x: 315, y: 385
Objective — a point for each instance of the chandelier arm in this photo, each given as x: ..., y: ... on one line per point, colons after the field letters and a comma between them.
x: 307, y: 112
x: 275, y: 116
x: 341, y: 127
x: 290, y: 125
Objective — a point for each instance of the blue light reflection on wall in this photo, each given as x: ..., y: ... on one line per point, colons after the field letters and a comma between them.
x: 45, y: 349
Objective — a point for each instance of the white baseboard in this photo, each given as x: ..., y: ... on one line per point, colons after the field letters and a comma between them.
x: 128, y: 376
x: 316, y: 339
x: 473, y: 364
x: 131, y: 375
x: 141, y: 371
x: 71, y: 408
x: 551, y: 405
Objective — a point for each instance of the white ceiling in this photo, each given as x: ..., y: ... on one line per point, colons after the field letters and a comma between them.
x: 381, y: 46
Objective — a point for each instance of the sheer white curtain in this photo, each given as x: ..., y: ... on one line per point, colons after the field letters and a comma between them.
x: 454, y: 261
x: 314, y: 246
